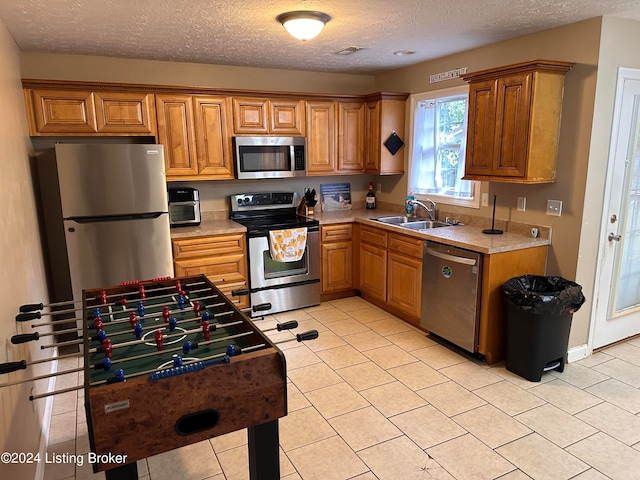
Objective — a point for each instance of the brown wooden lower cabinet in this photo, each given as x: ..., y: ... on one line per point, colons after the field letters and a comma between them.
x: 222, y: 258
x: 337, y: 260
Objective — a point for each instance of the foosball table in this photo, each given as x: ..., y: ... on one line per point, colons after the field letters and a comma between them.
x: 172, y: 362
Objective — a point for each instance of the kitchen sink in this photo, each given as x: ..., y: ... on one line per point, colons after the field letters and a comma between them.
x: 401, y: 221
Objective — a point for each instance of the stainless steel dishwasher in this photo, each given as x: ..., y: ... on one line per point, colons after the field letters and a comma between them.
x: 451, y: 294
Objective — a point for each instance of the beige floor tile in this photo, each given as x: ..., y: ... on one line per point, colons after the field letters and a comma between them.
x: 63, y: 461
x: 491, y: 426
x: 411, y: 340
x: 235, y: 464
x: 350, y: 304
x: 478, y: 460
x: 541, y: 459
x: 509, y: 398
x: 317, y: 308
x: 389, y: 326
x: 427, y: 426
x: 309, y: 323
x: 303, y: 427
x: 326, y: 339
x: 293, y: 476
x: 613, y: 421
x: 300, y: 356
x: 341, y: 357
x: 438, y: 356
x: 329, y: 459
x: 417, y: 375
x: 336, y: 400
x: 620, y: 370
x: 366, y: 340
x: 565, y: 396
x: 365, y: 476
x: 365, y: 375
x: 229, y: 441
x: 328, y: 315
x: 470, y: 375
x: 85, y: 472
x: 368, y: 314
x: 62, y: 428
x: 313, y: 377
x: 594, y: 359
x: 450, y: 398
x: 295, y: 398
x: 579, y: 375
x: 364, y: 427
x: 347, y: 326
x: 609, y: 456
x: 195, y: 461
x: 291, y: 315
x: 401, y: 458
x: 618, y: 393
x: 515, y: 475
x: 626, y: 351
x: 393, y: 398
x: 82, y: 438
x: 390, y: 356
x: 65, y: 402
x: 555, y: 425
x: 591, y: 474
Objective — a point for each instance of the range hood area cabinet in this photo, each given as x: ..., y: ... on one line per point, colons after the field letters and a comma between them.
x: 514, y: 122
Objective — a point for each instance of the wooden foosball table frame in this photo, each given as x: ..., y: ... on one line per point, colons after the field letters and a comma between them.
x: 141, y: 417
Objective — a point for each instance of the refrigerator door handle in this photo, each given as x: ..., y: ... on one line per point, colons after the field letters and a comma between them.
x: 116, y: 218
x: 451, y: 258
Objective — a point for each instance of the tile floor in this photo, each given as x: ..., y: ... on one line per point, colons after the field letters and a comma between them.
x: 373, y: 398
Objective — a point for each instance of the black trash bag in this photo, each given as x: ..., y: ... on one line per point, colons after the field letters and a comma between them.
x: 544, y: 295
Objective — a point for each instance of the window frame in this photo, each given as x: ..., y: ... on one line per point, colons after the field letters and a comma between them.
x: 438, y: 198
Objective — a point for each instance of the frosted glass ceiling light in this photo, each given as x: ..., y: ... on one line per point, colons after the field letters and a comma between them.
x: 303, y: 25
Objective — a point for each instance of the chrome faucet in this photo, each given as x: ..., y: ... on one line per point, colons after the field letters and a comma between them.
x: 433, y: 212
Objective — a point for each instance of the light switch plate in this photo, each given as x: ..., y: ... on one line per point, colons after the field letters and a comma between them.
x: 485, y: 199
x: 554, y: 207
x: 522, y: 204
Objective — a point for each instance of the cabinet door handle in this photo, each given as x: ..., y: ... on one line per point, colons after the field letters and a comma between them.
x: 615, y: 238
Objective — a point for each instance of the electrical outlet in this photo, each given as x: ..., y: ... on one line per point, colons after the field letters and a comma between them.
x: 485, y: 199
x: 522, y: 204
x: 554, y: 208
x: 379, y: 189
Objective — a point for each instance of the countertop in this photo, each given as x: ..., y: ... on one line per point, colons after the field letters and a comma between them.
x: 463, y: 236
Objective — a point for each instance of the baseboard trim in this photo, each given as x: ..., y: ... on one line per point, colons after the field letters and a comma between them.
x: 46, y: 422
x: 578, y: 353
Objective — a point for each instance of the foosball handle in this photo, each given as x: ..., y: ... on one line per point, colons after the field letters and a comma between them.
x: 30, y: 307
x: 25, y: 317
x: 310, y: 335
x: 287, y: 325
x: 12, y: 366
x: 261, y: 307
x: 239, y: 292
x: 24, y: 338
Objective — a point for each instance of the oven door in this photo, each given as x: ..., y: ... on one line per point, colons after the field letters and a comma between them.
x: 266, y: 272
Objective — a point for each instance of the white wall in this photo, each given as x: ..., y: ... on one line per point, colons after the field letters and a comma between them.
x: 23, y: 274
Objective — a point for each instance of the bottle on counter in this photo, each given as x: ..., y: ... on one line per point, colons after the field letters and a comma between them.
x: 370, y: 199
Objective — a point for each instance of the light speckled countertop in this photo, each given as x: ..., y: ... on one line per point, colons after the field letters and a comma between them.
x: 463, y: 236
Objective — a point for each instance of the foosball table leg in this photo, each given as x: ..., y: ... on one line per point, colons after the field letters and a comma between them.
x: 128, y: 471
x: 264, y: 451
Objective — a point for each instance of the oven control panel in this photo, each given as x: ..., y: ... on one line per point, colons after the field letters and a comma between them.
x: 263, y: 200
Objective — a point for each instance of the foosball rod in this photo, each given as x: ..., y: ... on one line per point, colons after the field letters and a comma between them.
x: 26, y: 316
x: 23, y: 364
x: 31, y: 307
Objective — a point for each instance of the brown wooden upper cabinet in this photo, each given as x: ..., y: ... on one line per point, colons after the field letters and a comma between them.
x: 383, y: 117
x: 195, y: 132
x: 321, y: 137
x: 514, y: 122
x: 77, y: 112
x: 268, y: 116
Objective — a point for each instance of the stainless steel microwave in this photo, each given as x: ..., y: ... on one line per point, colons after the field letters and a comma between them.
x: 270, y: 157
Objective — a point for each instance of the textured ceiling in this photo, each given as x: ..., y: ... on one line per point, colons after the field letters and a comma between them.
x: 245, y: 32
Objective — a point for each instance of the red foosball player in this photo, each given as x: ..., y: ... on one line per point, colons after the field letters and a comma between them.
x: 165, y: 314
x: 158, y: 337
x: 132, y: 319
x: 206, y: 330
x: 141, y: 292
x: 97, y: 324
x: 107, y: 348
x: 196, y: 308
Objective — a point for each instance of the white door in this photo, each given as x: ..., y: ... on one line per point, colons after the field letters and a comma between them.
x: 617, y: 314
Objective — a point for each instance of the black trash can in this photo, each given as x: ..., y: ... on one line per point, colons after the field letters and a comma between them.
x: 539, y: 311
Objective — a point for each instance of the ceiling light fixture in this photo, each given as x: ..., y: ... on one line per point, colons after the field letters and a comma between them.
x: 303, y: 25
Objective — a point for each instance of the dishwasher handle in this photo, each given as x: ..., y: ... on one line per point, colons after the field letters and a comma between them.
x: 451, y: 258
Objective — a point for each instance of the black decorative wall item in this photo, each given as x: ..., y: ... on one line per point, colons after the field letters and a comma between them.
x: 394, y: 143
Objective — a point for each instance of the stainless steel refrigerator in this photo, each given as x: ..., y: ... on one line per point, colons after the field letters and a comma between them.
x: 106, y: 215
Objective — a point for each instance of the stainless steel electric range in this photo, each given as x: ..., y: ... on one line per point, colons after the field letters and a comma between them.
x: 283, y: 285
